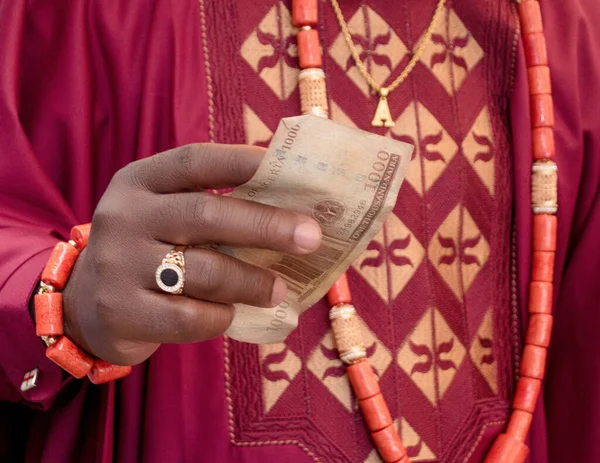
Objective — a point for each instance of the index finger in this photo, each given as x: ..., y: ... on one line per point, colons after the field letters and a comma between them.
x: 199, y: 165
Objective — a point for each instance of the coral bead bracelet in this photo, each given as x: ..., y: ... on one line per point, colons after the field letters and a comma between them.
x: 49, y: 315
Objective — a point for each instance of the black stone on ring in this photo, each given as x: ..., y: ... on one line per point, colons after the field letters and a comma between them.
x: 169, y: 277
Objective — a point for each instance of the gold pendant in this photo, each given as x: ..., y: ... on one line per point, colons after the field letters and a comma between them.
x: 382, y: 117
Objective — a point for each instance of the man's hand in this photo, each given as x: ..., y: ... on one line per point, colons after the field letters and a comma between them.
x: 113, y: 306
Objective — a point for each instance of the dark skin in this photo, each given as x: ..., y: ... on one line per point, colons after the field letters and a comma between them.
x: 113, y: 307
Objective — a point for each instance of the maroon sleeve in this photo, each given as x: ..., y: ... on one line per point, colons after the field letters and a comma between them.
x: 85, y: 88
x: 566, y: 418
x: 573, y: 384
x: 33, y: 216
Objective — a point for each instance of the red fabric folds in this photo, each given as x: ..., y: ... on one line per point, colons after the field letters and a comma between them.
x: 87, y: 87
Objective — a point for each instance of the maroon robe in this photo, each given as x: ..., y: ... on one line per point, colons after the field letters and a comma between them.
x: 87, y: 87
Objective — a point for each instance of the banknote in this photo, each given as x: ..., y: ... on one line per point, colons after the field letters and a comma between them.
x: 346, y: 179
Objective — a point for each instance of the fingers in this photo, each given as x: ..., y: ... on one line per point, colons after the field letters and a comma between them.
x: 200, y: 165
x: 178, y: 319
x: 213, y: 282
x: 204, y: 218
x: 215, y: 277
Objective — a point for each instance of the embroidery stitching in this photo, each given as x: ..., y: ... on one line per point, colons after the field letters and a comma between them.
x: 237, y: 411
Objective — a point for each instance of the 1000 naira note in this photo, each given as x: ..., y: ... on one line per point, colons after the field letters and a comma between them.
x: 346, y: 179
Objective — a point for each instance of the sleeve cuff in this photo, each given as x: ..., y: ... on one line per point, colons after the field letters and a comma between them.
x: 21, y: 351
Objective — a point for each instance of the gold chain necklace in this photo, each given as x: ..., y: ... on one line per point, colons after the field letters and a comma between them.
x: 383, y: 117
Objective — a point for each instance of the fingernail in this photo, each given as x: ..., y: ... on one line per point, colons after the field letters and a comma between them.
x: 307, y: 236
x: 279, y: 292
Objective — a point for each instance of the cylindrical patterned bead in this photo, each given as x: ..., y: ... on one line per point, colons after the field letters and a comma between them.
x: 313, y: 98
x: 363, y: 379
x: 80, y: 235
x: 540, y: 297
x: 544, y: 187
x: 542, y: 111
x: 544, y: 232
x: 59, y: 266
x: 304, y: 13
x: 539, y: 80
x: 535, y: 49
x: 539, y: 329
x: 533, y: 363
x: 388, y: 444
x: 543, y: 143
x: 48, y: 314
x: 528, y: 390
x: 347, y: 333
x: 103, y: 372
x: 542, y: 268
x: 376, y: 412
x: 531, y: 17
x: 309, y: 49
x: 339, y: 293
x: 70, y: 357
x: 519, y: 424
x: 507, y: 449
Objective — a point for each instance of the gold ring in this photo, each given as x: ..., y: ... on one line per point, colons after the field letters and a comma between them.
x: 170, y: 274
